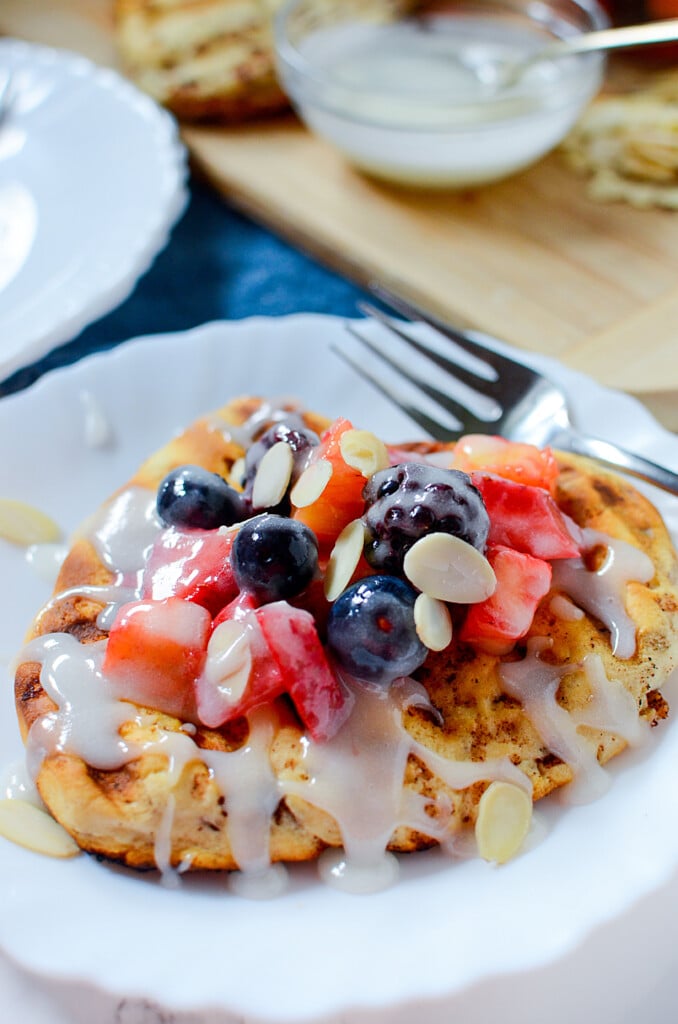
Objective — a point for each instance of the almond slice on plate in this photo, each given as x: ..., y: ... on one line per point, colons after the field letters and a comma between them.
x: 24, y: 524
x: 29, y: 826
x: 504, y: 818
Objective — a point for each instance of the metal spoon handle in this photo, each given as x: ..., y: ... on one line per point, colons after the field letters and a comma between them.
x: 616, y: 38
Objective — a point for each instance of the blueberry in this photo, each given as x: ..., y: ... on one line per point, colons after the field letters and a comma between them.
x: 299, y: 438
x: 371, y: 630
x: 274, y: 558
x: 407, y: 501
x: 191, y: 496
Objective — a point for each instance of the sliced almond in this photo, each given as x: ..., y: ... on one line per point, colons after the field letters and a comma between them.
x: 229, y: 659
x: 504, y: 818
x: 273, y: 476
x: 237, y: 474
x: 345, y: 556
x: 364, y: 451
x: 449, y: 569
x: 23, y: 524
x: 29, y: 826
x: 433, y: 622
x: 311, y: 483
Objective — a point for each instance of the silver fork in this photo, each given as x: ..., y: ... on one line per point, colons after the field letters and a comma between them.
x: 524, y: 405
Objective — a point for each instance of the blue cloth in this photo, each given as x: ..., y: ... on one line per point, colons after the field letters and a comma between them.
x: 217, y: 265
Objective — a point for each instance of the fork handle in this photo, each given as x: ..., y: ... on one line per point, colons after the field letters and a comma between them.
x: 619, y: 458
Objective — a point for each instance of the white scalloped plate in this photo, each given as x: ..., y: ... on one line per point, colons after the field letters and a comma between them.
x: 588, y: 913
x: 92, y: 178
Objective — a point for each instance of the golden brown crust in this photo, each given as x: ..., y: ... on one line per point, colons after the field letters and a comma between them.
x: 118, y: 813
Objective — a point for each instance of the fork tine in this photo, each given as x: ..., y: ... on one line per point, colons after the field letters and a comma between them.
x: 460, y: 373
x: 461, y: 413
x: 500, y: 364
x: 432, y: 427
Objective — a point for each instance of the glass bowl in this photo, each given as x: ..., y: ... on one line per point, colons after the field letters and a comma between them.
x: 392, y: 85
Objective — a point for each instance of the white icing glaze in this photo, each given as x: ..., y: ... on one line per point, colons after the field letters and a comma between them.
x: 534, y: 683
x: 602, y: 592
x: 46, y: 560
x: 162, y: 847
x: 274, y: 411
x: 98, y: 431
x: 564, y: 609
x: 374, y: 745
x: 16, y: 784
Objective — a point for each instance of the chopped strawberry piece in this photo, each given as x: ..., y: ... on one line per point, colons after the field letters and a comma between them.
x: 236, y: 609
x: 194, y: 565
x: 524, y: 518
x: 155, y: 653
x: 321, y: 701
x: 495, y: 624
x: 265, y: 682
x: 342, y: 499
x: 524, y: 463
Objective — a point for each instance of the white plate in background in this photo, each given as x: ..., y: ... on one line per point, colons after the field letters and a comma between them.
x: 92, y: 178
x: 587, y: 914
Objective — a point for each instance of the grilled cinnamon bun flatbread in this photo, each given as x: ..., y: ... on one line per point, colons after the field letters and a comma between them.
x: 282, y: 636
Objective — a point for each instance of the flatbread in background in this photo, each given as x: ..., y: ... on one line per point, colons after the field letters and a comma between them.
x: 628, y: 146
x: 203, y: 59
x: 214, y: 60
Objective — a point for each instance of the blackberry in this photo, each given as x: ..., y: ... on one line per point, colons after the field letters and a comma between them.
x: 412, y: 499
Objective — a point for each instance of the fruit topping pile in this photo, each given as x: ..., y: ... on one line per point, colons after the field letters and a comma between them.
x: 326, y: 561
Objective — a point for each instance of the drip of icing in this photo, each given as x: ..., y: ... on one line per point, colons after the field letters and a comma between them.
x: 339, y: 871
x: 88, y: 717
x: 122, y: 534
x: 125, y: 531
x: 162, y: 847
x: 98, y: 432
x: 564, y: 609
x: 611, y: 708
x: 16, y: 784
x: 247, y: 780
x: 357, y: 777
x: 46, y: 560
x: 535, y: 683
x: 244, y: 434
x: 259, y: 885
x: 601, y: 592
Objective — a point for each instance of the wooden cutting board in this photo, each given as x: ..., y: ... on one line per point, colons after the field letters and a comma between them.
x: 531, y: 259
